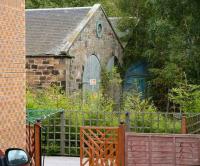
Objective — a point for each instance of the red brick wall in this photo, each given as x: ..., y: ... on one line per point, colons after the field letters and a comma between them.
x: 162, y: 150
x: 12, y: 74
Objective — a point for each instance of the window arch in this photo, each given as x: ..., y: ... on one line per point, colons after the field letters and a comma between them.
x: 112, y: 62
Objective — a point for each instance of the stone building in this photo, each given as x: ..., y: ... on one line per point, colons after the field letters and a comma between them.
x: 69, y: 46
x: 12, y: 74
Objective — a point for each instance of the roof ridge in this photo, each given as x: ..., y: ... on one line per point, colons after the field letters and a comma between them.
x: 109, y: 21
x: 66, y: 8
x: 81, y: 26
x: 69, y: 42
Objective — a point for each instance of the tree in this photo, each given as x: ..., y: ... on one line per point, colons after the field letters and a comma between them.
x: 187, y: 97
x: 110, y: 6
x: 166, y: 34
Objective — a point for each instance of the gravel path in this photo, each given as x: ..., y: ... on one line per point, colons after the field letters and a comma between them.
x: 61, y: 161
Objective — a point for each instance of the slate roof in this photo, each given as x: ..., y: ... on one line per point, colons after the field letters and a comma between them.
x: 48, y: 29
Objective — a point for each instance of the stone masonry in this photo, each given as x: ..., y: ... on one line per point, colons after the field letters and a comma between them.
x: 12, y: 74
x: 44, y: 70
x: 88, y: 43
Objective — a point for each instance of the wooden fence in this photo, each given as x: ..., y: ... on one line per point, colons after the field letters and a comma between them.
x: 102, y: 146
x: 157, y: 150
x: 64, y: 134
x: 63, y: 128
x: 33, y: 143
x: 193, y: 124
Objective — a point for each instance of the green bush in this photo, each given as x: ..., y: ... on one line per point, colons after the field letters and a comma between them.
x: 144, y: 116
x: 187, y: 97
x: 41, y: 103
x: 98, y: 109
x: 53, y: 98
x: 94, y: 109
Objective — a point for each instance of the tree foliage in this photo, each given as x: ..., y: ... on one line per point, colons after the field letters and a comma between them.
x: 166, y: 34
x: 187, y: 96
x: 109, y: 6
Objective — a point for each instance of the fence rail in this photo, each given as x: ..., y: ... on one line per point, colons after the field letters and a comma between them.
x: 63, y: 128
x: 153, y: 122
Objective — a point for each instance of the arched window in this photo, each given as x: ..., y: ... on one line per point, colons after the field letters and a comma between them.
x: 112, y: 62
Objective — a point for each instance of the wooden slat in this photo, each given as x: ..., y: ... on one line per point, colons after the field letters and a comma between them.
x: 38, y: 153
x: 33, y: 143
x: 100, y: 146
x: 155, y: 149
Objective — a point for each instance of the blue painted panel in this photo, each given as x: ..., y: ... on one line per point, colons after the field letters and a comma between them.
x: 92, y: 71
x: 135, y: 78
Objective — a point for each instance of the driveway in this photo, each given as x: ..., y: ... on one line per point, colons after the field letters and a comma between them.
x: 61, y: 161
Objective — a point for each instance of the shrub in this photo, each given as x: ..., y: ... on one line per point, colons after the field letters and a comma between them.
x: 144, y: 116
x: 187, y: 97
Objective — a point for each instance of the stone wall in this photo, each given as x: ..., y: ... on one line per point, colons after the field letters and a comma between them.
x: 45, y: 71
x: 88, y: 43
x: 40, y: 74
x: 12, y: 74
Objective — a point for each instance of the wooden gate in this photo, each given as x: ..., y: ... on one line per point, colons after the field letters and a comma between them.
x: 102, y: 146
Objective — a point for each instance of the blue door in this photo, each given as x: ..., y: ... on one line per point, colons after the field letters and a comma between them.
x: 135, y: 78
x: 91, y: 74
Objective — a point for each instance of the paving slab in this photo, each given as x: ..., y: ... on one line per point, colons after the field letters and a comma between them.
x: 61, y: 161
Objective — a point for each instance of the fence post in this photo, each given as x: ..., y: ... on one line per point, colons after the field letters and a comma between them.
x: 121, y: 148
x: 127, y: 121
x: 183, y: 125
x: 62, y: 133
x: 81, y: 146
x: 38, y: 154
